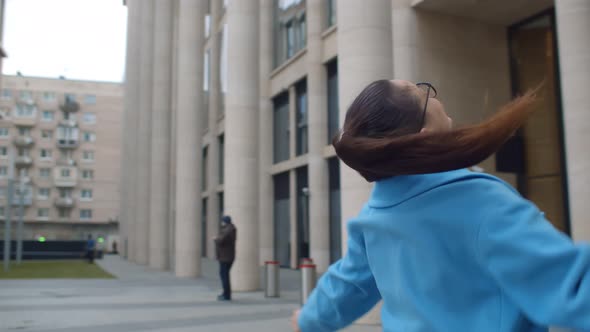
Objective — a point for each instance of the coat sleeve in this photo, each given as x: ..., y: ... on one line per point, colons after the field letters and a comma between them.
x: 537, y: 267
x: 225, y: 237
x: 344, y: 293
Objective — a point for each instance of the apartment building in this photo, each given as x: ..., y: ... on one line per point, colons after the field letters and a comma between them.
x: 63, y: 138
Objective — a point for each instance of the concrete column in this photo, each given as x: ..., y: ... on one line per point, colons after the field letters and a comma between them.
x: 265, y: 192
x: 142, y: 228
x: 364, y: 55
x: 573, y: 26
x: 172, y: 169
x: 293, y: 194
x: 213, y: 216
x: 319, y: 213
x: 241, y: 136
x: 160, y: 155
x: 189, y: 137
x: 129, y: 157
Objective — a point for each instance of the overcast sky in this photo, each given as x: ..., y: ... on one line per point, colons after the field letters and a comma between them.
x: 80, y: 39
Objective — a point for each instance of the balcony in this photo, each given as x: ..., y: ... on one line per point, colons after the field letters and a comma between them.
x: 23, y: 161
x: 69, y: 105
x: 23, y: 141
x: 68, y: 143
x: 65, y: 202
x: 24, y: 121
x: 66, y: 162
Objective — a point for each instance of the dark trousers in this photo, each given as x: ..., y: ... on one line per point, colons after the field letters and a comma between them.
x: 224, y: 268
x: 90, y: 256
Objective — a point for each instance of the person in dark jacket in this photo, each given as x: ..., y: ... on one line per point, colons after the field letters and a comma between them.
x: 225, y: 244
x: 90, y: 248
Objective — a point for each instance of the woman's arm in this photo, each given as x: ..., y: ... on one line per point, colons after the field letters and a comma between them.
x: 537, y: 267
x: 344, y: 293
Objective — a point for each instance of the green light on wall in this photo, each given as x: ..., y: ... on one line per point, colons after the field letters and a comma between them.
x: 41, y: 239
x: 100, y: 240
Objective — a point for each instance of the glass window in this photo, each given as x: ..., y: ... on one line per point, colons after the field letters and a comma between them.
x: 85, y: 214
x: 87, y: 174
x: 282, y: 219
x: 4, y: 132
x: 65, y: 173
x: 43, y: 213
x: 204, y: 227
x: 302, y: 116
x: 22, y: 152
x: 302, y: 212
x: 48, y: 116
x: 26, y: 95
x: 89, y: 118
x: 46, y: 134
x: 223, y: 68
x: 48, y: 96
x: 221, y: 163
x: 24, y: 131
x: 90, y: 99
x: 204, y: 168
x: 289, y: 29
x: 44, y: 193
x: 333, y: 108
x: 3, y: 151
x: 3, y: 171
x: 88, y: 155
x: 6, y: 94
x: 25, y: 110
x: 65, y: 213
x: 2, y: 213
x: 89, y: 136
x: 335, y: 210
x: 86, y: 194
x: 44, y: 172
x: 45, y: 154
x: 206, y: 87
x: 281, y: 139
x: 330, y: 13
x: 70, y: 97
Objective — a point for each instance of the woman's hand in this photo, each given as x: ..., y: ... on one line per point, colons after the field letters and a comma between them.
x: 295, y: 320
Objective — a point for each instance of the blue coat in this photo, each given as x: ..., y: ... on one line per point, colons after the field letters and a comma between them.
x: 455, y: 251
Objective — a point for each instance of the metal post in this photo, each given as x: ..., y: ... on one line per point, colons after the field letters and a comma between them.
x: 19, y: 232
x: 271, y: 285
x: 308, y: 280
x: 7, y: 220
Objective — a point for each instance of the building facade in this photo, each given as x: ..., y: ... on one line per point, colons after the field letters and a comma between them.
x: 63, y: 138
x: 231, y: 107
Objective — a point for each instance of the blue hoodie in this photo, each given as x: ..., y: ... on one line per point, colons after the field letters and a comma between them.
x: 455, y: 251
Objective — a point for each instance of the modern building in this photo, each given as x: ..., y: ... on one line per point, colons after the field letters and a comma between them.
x: 2, y: 51
x: 63, y: 137
x: 231, y: 107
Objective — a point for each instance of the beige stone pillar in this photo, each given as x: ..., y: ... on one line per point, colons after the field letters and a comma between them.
x: 142, y: 228
x: 213, y: 216
x: 319, y: 214
x: 160, y: 155
x: 364, y: 55
x: 241, y: 136
x: 189, y: 137
x: 265, y: 193
x: 129, y: 157
x: 573, y: 27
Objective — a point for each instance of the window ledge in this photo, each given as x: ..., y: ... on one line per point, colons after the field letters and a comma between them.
x: 287, y: 62
x: 329, y: 31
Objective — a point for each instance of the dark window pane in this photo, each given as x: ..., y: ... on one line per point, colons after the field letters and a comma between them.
x: 302, y: 212
x: 333, y: 108
x: 302, y: 116
x: 221, y: 162
x: 282, y: 223
x: 281, y: 128
x: 204, y: 228
x: 335, y: 208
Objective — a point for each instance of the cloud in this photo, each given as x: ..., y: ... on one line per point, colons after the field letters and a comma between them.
x: 80, y: 39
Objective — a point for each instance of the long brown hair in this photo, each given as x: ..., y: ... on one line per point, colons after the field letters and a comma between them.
x: 381, y: 135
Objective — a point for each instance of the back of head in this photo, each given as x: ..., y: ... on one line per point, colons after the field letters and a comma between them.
x: 383, y: 136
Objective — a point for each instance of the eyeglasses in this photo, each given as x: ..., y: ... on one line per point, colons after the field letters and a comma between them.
x: 429, y: 89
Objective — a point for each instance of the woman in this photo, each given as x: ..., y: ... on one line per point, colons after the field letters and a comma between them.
x: 446, y: 249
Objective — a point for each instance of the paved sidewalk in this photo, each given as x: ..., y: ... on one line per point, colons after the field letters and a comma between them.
x: 143, y: 300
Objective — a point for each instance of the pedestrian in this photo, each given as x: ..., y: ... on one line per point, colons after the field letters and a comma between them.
x: 90, y: 248
x: 225, y: 244
x: 446, y: 249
